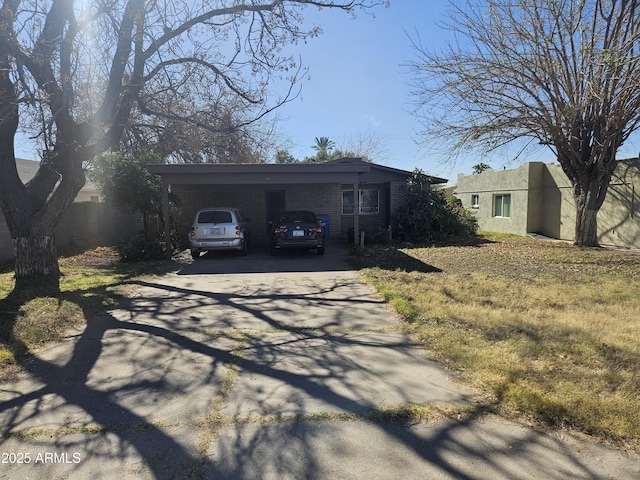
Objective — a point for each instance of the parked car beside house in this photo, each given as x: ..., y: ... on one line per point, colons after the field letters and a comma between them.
x: 219, y: 228
x: 355, y: 195
x: 297, y: 229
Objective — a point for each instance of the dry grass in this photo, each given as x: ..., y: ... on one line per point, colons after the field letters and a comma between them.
x: 38, y: 314
x: 551, y: 331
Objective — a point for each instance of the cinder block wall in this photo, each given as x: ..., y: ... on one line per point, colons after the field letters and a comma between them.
x: 83, y: 225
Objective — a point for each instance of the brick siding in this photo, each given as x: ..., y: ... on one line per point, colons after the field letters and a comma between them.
x: 323, y: 199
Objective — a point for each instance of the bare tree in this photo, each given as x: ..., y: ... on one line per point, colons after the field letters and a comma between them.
x: 175, y: 141
x: 564, y: 73
x: 367, y: 144
x: 76, y: 74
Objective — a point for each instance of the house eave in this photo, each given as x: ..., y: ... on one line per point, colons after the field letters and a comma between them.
x: 256, y: 173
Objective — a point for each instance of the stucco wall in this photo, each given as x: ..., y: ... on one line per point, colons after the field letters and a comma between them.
x: 559, y: 212
x: 490, y: 183
x: 619, y: 217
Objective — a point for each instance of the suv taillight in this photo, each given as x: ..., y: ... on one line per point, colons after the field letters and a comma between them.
x: 193, y: 231
x: 238, y: 230
x: 279, y: 229
x: 316, y: 230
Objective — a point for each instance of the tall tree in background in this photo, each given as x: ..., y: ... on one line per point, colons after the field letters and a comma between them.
x: 480, y: 167
x: 283, y: 157
x: 323, y: 147
x: 563, y: 73
x: 323, y: 144
x: 76, y: 75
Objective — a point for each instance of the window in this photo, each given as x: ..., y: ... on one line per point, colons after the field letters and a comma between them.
x: 368, y: 202
x: 475, y: 201
x: 502, y: 206
x: 215, y: 216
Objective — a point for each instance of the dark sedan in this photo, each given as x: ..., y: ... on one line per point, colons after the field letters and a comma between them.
x: 298, y: 229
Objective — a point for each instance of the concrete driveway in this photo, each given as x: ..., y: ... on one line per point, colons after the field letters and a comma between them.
x: 265, y: 368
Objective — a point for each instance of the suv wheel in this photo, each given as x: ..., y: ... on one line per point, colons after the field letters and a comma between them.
x: 195, y: 254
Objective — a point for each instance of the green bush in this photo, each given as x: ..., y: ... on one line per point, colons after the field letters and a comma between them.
x: 139, y: 247
x: 426, y: 215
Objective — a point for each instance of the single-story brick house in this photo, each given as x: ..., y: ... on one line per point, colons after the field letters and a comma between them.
x: 538, y: 198
x: 261, y: 190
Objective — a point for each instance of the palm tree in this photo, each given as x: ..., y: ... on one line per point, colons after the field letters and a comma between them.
x: 480, y: 167
x: 322, y: 147
x: 323, y: 144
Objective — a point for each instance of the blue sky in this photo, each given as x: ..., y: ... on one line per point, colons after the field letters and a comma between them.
x: 359, y: 84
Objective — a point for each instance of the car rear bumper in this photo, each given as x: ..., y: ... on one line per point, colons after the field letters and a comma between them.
x: 222, y: 244
x: 298, y: 244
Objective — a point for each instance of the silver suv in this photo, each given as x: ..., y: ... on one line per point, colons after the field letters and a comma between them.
x: 219, y: 228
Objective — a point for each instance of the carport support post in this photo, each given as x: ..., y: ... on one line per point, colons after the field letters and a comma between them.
x: 356, y: 211
x: 165, y: 214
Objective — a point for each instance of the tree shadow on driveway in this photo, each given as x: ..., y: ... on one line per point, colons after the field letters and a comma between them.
x: 158, y: 388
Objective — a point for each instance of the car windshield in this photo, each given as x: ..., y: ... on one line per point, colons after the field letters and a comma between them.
x: 214, y: 216
x: 297, y: 217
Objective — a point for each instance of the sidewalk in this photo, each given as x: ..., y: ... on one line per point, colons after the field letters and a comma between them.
x: 262, y: 367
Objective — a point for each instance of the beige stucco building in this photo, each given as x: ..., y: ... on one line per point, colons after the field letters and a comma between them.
x: 538, y: 198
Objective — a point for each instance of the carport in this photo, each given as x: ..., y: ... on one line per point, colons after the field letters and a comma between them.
x: 344, y: 172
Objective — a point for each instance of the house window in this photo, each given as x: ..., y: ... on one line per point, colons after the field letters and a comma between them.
x: 475, y: 201
x: 502, y: 206
x: 368, y: 202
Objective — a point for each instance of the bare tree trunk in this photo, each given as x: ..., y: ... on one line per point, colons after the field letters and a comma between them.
x: 32, y: 211
x: 589, y: 198
x: 36, y: 258
x: 586, y: 227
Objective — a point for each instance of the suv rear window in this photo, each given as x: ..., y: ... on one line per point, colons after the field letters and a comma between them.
x: 297, y: 217
x: 215, y: 216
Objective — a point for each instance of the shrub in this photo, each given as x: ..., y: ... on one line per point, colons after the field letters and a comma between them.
x: 141, y: 247
x: 377, y: 236
x: 426, y: 215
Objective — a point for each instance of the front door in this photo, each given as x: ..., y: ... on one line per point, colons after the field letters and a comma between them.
x: 275, y: 201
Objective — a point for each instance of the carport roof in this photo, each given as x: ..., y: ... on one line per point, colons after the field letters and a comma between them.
x: 339, y: 171
x: 257, y: 173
